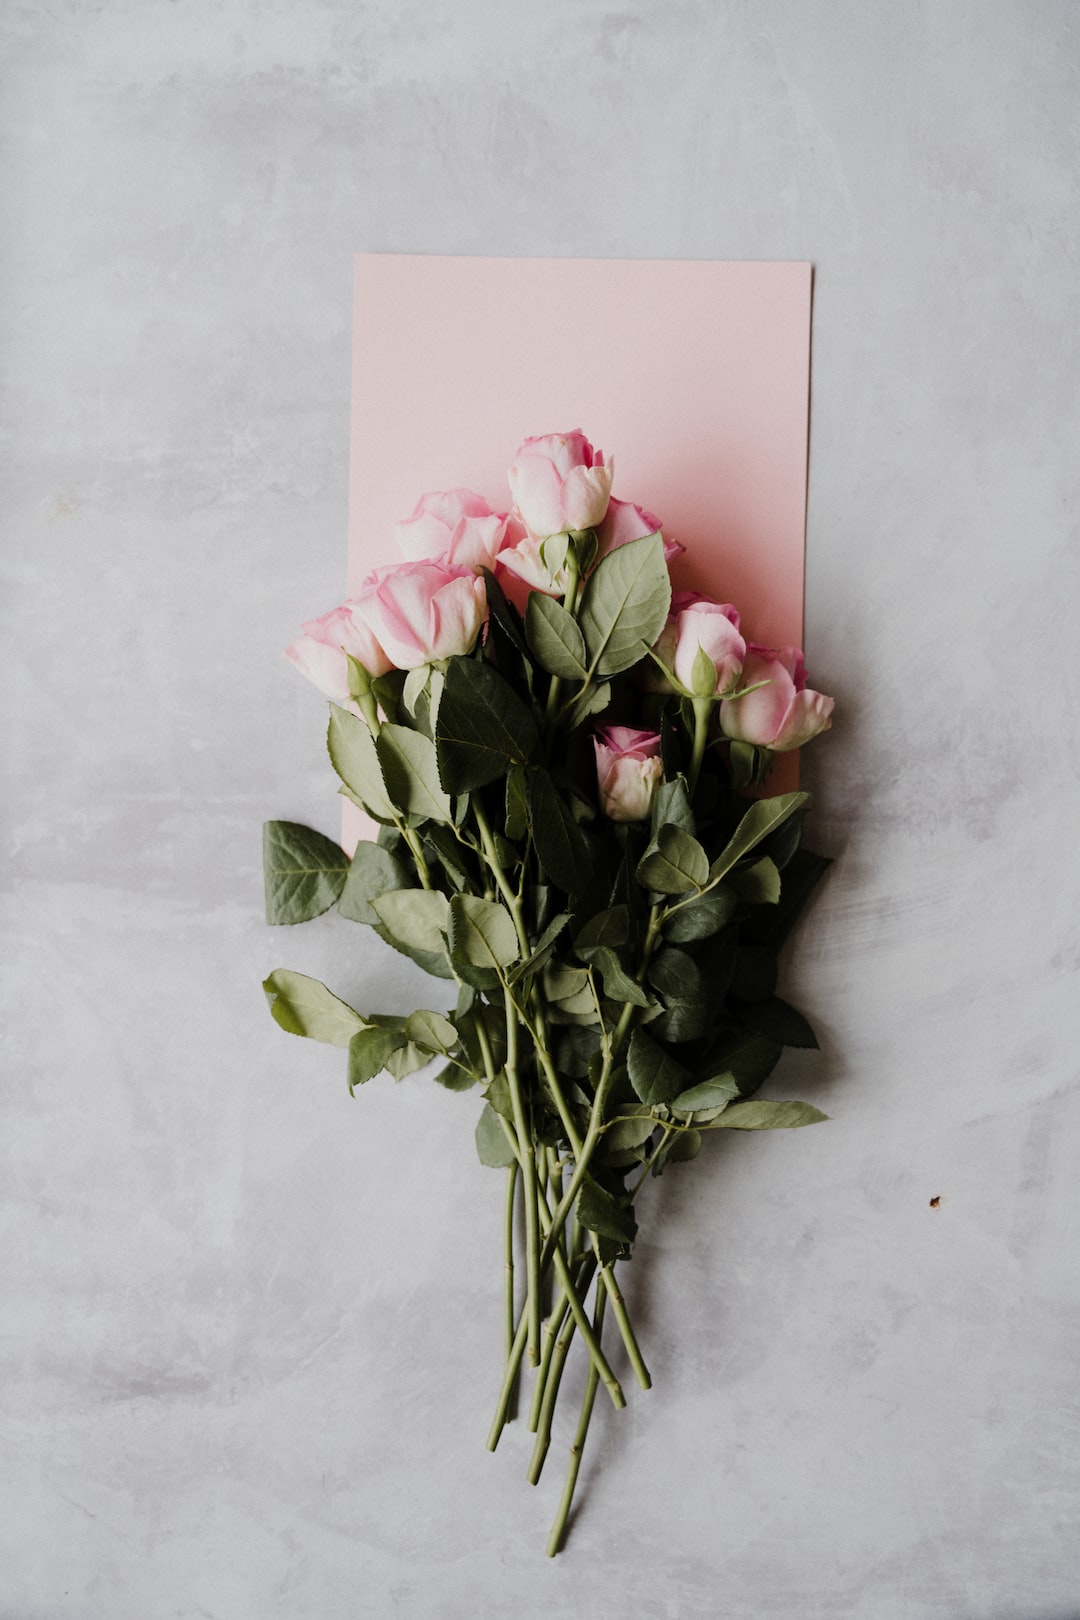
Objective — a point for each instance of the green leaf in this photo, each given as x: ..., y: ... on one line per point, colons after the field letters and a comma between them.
x: 767, y: 1116
x: 303, y: 871
x: 685, y: 1145
x: 542, y: 951
x: 455, y: 1078
x: 303, y: 1006
x: 369, y: 1052
x: 697, y: 919
x: 411, y: 773
x: 714, y: 1093
x: 482, y: 933
x: 625, y: 604
x: 683, y: 1020
x: 756, y: 885
x: 491, y: 1141
x: 431, y: 1031
x: 675, y: 974
x: 517, y: 803
x: 611, y: 928
x: 629, y: 1132
x: 671, y: 806
x: 353, y: 756
x: 561, y: 846
x: 654, y: 1074
x: 555, y: 638
x: 760, y: 820
x: 592, y: 699
x: 674, y: 863
x: 749, y: 1057
x: 604, y: 1214
x: 417, y: 918
x: 483, y: 727
x: 802, y: 874
x: 779, y: 1021
x: 406, y: 1059
x: 617, y: 982
x: 374, y: 871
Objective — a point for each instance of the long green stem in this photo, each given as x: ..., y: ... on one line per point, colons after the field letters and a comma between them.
x: 554, y: 1379
x: 588, y: 1401
x: 508, y: 1235
x: 702, y: 712
x: 527, y: 1156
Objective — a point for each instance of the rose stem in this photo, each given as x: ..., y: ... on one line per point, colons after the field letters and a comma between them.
x: 554, y: 1379
x: 588, y: 1401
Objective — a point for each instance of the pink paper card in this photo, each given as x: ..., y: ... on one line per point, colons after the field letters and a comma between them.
x: 692, y: 376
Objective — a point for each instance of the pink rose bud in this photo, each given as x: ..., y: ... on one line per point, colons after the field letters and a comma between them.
x: 624, y: 522
x: 782, y: 715
x: 628, y: 770
x: 559, y: 482
x: 320, y: 652
x: 422, y: 611
x: 713, y: 627
x: 455, y: 526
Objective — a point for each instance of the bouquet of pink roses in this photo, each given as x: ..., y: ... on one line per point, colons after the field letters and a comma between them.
x: 566, y: 762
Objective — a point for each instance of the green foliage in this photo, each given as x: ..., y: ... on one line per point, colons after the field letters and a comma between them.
x: 411, y: 774
x: 483, y: 939
x: 625, y: 605
x: 414, y: 919
x: 353, y: 756
x: 763, y: 818
x: 555, y: 638
x: 492, y: 1145
x: 767, y: 1116
x: 561, y: 846
x: 304, y: 872
x: 654, y: 1074
x: 604, y: 1213
x: 483, y: 727
x: 303, y: 1006
x: 674, y: 863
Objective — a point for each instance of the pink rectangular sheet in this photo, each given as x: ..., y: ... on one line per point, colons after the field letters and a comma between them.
x: 692, y: 376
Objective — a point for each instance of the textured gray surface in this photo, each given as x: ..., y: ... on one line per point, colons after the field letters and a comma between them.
x: 248, y: 1324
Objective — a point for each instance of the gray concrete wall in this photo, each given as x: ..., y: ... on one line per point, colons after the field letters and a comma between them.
x: 250, y: 1327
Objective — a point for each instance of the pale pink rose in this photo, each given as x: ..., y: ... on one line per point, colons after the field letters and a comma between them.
x: 422, y: 611
x: 623, y: 521
x: 782, y: 715
x: 559, y: 482
x: 628, y: 770
x: 320, y: 652
x: 694, y: 621
x: 520, y: 567
x: 456, y: 526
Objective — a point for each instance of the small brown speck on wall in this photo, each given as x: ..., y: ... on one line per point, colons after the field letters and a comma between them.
x: 934, y: 1202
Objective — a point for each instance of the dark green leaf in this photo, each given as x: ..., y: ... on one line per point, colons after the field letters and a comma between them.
x: 753, y: 973
x: 561, y: 846
x: 674, y: 863
x: 491, y: 1141
x: 517, y: 803
x: 780, y: 1022
x: 671, y: 807
x: 685, y: 1145
x: 767, y: 1116
x: 714, y: 1093
x: 303, y: 1006
x: 756, y: 885
x: 801, y: 876
x: 611, y: 928
x: 542, y: 950
x: 675, y: 975
x: 482, y: 933
x: 411, y: 774
x: 750, y: 1058
x: 629, y: 1131
x: 697, y: 919
x: 483, y: 727
x: 760, y: 820
x: 592, y: 699
x: 374, y: 871
x: 603, y: 1213
x: 654, y: 1074
x: 555, y: 638
x: 455, y: 1078
x: 415, y: 918
x: 684, y: 1020
x: 303, y: 871
x: 353, y: 756
x: 369, y: 1052
x: 617, y: 982
x: 625, y: 604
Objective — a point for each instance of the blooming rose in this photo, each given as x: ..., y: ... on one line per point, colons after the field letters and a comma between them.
x: 320, y: 652
x: 559, y: 482
x: 624, y: 521
x: 421, y: 611
x: 521, y: 567
x: 695, y: 622
x: 456, y: 526
x: 628, y: 769
x: 785, y: 713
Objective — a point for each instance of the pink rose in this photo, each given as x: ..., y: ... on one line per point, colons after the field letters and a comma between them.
x: 521, y: 567
x: 421, y: 611
x: 455, y: 526
x: 694, y: 622
x: 624, y: 521
x: 782, y: 715
x: 628, y: 769
x: 320, y: 652
x: 559, y: 482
